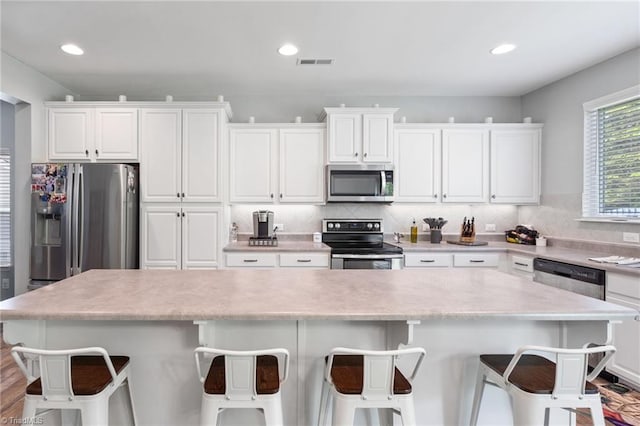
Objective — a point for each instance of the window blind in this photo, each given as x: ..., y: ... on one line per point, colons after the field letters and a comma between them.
x: 612, y: 159
x: 5, y: 208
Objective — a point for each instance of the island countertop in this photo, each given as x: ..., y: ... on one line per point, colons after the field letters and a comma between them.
x: 303, y: 295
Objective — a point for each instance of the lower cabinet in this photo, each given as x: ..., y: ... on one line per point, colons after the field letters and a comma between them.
x: 253, y: 259
x: 179, y: 236
x: 624, y: 290
x: 433, y: 259
x: 520, y: 265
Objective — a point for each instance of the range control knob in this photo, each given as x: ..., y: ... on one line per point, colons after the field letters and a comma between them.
x: 330, y: 225
x: 376, y: 226
x: 369, y: 226
x: 337, y: 226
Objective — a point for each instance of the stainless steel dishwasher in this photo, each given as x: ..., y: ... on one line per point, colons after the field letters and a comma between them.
x: 575, y: 278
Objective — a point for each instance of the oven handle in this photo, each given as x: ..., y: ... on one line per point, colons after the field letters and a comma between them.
x: 367, y: 256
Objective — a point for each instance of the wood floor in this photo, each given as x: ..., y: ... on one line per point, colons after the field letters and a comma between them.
x: 12, y: 384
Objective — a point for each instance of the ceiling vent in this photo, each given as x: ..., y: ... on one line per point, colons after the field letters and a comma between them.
x: 315, y: 61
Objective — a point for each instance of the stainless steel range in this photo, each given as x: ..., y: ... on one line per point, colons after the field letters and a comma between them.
x: 358, y: 244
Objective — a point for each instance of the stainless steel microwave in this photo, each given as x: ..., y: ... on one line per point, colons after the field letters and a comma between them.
x: 360, y: 183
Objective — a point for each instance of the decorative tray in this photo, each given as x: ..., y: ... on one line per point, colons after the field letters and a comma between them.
x: 464, y: 243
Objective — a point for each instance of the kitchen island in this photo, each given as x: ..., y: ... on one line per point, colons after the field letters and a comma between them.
x: 453, y: 314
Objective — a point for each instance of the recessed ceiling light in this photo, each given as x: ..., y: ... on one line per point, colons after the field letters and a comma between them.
x: 72, y: 49
x: 288, y: 49
x: 503, y: 48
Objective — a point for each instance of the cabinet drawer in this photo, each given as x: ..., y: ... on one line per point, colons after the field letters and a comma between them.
x: 625, y: 285
x: 520, y: 263
x: 252, y: 260
x: 304, y: 260
x: 476, y: 260
x: 426, y: 260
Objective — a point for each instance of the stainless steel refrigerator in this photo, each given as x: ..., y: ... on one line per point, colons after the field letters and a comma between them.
x: 83, y: 216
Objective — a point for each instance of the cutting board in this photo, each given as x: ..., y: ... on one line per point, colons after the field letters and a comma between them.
x: 461, y: 243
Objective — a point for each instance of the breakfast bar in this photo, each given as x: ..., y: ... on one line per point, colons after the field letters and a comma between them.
x: 158, y: 318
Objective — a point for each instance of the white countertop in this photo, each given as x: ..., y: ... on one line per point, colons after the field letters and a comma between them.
x: 286, y: 294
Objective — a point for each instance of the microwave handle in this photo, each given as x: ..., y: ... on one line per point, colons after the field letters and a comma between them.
x: 383, y: 181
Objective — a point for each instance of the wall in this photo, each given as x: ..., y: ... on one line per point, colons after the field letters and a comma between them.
x: 559, y: 107
x: 31, y: 89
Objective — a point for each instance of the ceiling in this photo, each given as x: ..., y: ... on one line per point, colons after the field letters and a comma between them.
x: 200, y: 49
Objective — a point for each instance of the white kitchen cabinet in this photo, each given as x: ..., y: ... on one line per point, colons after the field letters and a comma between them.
x: 253, y: 165
x: 477, y: 260
x: 175, y: 236
x: 252, y: 260
x: 427, y: 260
x: 520, y: 265
x: 301, y: 165
x: 417, y: 161
x: 180, y: 155
x: 276, y: 164
x: 465, y: 165
x: 624, y: 290
x: 92, y: 134
x: 304, y: 260
x: 360, y: 135
x: 515, y: 166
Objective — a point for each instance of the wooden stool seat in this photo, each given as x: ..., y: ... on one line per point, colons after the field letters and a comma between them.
x: 89, y: 374
x: 347, y: 371
x: 533, y: 373
x: 267, y: 376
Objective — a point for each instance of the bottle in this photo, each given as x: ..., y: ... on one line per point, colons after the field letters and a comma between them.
x: 414, y: 232
x: 233, y: 233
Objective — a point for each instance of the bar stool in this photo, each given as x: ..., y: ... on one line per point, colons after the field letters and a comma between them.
x: 82, y: 379
x: 357, y: 378
x: 536, y: 384
x: 242, y: 379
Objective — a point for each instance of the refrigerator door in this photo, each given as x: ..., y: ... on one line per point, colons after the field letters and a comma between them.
x: 51, y: 222
x: 107, y: 217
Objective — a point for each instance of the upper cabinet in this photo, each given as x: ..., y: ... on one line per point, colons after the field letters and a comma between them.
x: 277, y: 163
x: 180, y: 151
x: 360, y: 135
x: 417, y: 161
x: 465, y: 165
x: 515, y: 166
x: 92, y: 134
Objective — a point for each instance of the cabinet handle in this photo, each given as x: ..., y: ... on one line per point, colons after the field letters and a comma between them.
x: 365, y: 155
x: 476, y: 261
x: 427, y: 260
x: 303, y: 260
x: 178, y: 214
x: 493, y: 196
x: 249, y: 260
x: 356, y: 154
x: 86, y: 152
x: 271, y: 195
x: 280, y: 195
x: 444, y: 195
x: 520, y: 264
x: 182, y: 214
x: 435, y: 195
x: 178, y: 194
x: 96, y: 152
x: 183, y: 195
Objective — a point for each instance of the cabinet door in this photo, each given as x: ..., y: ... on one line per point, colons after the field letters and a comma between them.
x: 252, y: 165
x: 160, y: 237
x: 377, y: 138
x: 70, y: 133
x: 515, y: 166
x: 160, y: 159
x: 626, y: 338
x: 200, y: 155
x: 345, y: 138
x: 465, y: 165
x: 200, y: 225
x: 116, y: 134
x: 417, y: 172
x: 301, y: 166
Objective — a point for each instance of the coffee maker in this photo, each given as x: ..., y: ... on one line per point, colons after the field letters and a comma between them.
x: 263, y: 234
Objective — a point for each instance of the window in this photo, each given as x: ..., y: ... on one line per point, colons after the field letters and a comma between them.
x: 612, y: 156
x: 5, y: 207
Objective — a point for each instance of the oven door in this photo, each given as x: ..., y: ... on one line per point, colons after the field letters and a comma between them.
x: 366, y: 261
